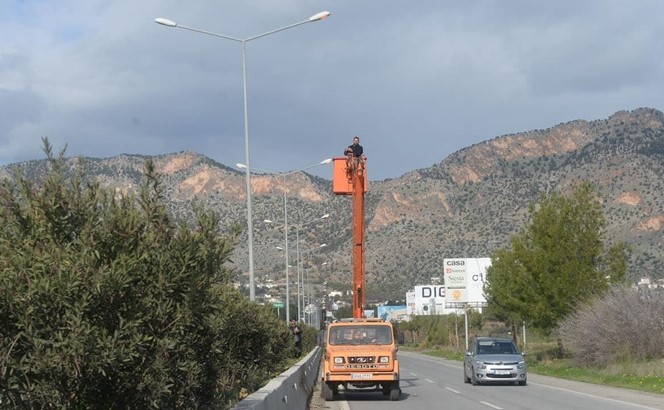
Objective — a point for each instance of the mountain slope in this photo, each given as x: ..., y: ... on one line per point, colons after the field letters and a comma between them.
x: 466, y: 206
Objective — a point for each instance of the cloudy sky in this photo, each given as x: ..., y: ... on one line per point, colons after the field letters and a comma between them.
x: 416, y: 80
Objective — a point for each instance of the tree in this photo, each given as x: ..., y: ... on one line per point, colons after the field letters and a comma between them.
x: 557, y: 262
x: 106, y: 302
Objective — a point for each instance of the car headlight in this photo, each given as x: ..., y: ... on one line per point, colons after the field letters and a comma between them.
x: 521, y: 365
x: 480, y: 365
x: 338, y: 360
x: 384, y: 359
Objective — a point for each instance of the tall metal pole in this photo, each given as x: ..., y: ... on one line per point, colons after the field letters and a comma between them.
x: 250, y: 234
x: 297, y: 253
x: 250, y: 229
x: 286, y: 240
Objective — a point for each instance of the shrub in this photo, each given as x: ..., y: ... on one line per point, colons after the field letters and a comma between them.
x: 106, y: 302
x: 625, y: 324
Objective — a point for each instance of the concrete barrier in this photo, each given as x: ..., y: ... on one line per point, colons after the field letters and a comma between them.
x: 290, y: 390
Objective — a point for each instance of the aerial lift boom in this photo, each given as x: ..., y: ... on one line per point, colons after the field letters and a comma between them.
x: 350, y: 178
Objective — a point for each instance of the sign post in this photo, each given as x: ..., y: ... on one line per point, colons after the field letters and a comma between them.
x: 279, y: 306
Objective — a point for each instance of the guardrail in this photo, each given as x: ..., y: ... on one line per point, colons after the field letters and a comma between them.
x: 290, y: 390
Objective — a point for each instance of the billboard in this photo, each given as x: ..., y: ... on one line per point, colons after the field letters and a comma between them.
x: 410, y: 303
x: 464, y: 280
x: 430, y: 300
x: 392, y: 313
x: 368, y: 313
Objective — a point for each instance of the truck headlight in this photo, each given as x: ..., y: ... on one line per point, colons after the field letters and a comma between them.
x: 384, y: 359
x: 339, y: 360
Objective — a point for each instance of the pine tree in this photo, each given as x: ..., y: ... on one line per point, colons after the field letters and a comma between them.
x: 557, y: 262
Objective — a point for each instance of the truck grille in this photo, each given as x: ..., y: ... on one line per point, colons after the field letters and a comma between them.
x: 361, y: 360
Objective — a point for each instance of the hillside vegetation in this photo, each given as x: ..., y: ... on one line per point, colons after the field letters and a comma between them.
x: 468, y: 205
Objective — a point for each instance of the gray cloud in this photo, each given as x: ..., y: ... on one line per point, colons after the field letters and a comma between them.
x: 416, y: 80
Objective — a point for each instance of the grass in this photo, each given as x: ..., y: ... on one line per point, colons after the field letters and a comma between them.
x: 647, y: 377
x: 642, y: 376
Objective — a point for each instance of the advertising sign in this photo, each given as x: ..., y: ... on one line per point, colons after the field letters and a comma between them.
x: 464, y: 280
x: 430, y: 300
x: 410, y: 303
x: 368, y: 313
x: 392, y: 313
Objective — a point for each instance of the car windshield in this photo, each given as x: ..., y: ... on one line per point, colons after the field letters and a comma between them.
x: 356, y: 335
x: 496, y: 347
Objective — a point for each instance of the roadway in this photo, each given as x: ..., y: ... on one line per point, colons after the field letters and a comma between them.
x: 429, y: 382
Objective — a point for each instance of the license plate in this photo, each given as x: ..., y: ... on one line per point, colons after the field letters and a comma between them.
x: 502, y: 372
x: 356, y: 376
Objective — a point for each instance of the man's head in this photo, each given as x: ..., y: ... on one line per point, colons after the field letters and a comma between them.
x: 356, y: 140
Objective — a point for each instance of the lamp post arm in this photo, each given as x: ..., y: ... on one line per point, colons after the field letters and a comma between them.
x: 275, y: 31
x: 209, y: 33
x: 306, y: 168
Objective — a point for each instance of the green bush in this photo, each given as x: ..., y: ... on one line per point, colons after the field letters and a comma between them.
x: 106, y: 302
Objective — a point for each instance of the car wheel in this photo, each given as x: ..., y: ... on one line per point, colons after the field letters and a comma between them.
x: 473, y: 378
x: 466, y: 379
x: 523, y: 382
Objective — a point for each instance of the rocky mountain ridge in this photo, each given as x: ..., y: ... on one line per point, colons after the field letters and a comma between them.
x: 467, y: 205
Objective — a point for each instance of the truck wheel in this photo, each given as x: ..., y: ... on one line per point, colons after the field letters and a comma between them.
x: 327, y: 392
x: 386, y: 389
x: 395, y: 393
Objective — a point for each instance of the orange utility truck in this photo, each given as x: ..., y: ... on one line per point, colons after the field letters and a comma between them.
x: 359, y: 352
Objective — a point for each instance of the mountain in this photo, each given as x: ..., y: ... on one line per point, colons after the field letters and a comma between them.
x: 466, y: 206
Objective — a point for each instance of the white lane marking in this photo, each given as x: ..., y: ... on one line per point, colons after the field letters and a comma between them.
x: 491, y: 405
x: 433, y: 361
x: 343, y: 405
x: 413, y: 374
x: 430, y: 381
x: 593, y: 396
x: 452, y: 390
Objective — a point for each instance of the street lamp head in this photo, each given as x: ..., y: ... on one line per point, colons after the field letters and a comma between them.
x: 267, y: 221
x: 166, y: 22
x: 323, y: 245
x: 326, y: 161
x: 320, y: 16
x: 325, y: 216
x: 279, y: 247
x: 241, y: 166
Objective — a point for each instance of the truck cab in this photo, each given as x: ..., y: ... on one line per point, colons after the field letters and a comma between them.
x: 361, y: 353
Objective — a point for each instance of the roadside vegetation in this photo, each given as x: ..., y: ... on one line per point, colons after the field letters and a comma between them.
x: 545, y: 354
x: 107, y: 302
x: 560, y: 278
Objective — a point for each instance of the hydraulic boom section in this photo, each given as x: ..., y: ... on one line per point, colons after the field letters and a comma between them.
x: 350, y: 178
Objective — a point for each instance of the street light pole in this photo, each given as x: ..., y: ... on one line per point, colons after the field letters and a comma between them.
x: 297, y: 255
x: 250, y: 238
x: 284, y: 175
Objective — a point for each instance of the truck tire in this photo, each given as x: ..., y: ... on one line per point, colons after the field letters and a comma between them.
x: 327, y: 392
x: 395, y: 393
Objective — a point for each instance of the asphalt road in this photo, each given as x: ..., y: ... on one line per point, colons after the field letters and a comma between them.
x: 429, y: 382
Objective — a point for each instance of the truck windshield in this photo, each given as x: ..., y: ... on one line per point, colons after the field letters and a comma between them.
x: 355, y: 335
